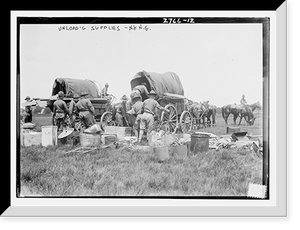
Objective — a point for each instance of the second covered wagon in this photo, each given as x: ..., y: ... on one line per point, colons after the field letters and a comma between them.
x: 170, y: 94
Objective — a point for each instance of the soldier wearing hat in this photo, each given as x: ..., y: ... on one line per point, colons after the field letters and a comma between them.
x: 149, y: 109
x: 27, y: 114
x: 76, y: 98
x: 28, y: 99
x: 120, y: 116
x: 86, y: 110
x: 60, y: 110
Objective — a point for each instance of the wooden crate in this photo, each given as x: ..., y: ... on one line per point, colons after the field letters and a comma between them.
x: 119, y: 131
x: 31, y: 138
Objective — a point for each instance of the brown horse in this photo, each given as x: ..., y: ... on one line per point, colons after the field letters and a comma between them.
x: 198, y: 111
x: 211, y: 112
x: 238, y: 110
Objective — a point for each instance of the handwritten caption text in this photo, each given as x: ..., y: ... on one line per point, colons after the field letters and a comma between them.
x: 105, y: 27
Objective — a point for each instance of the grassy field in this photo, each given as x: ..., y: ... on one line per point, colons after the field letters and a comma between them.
x: 132, y: 171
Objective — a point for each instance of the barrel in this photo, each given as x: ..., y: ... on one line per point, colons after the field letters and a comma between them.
x: 162, y: 153
x: 90, y: 140
x: 199, y: 142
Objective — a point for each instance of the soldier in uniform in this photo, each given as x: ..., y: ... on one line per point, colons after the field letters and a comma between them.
x: 27, y: 114
x: 140, y: 90
x: 71, y: 106
x: 244, y: 102
x: 104, y: 91
x: 121, y: 112
x: 60, y: 110
x: 136, y: 111
x: 149, y: 108
x: 86, y: 111
x: 77, y: 123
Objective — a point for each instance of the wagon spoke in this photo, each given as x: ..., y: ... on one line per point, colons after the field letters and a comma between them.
x: 172, y: 113
x: 173, y: 116
x: 172, y: 126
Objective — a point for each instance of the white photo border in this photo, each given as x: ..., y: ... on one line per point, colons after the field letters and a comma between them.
x: 275, y: 206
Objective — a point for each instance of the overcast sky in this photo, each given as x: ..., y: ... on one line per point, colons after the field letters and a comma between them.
x: 215, y: 62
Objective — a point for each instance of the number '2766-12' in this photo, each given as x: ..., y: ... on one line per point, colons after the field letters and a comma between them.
x: 178, y: 20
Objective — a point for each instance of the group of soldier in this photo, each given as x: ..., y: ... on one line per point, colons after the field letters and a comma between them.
x: 78, y: 112
x: 72, y: 111
x: 144, y: 111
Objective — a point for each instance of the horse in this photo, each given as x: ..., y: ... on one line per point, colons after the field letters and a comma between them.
x: 238, y: 110
x: 198, y: 111
x: 255, y: 105
x: 211, y: 112
x: 245, y: 112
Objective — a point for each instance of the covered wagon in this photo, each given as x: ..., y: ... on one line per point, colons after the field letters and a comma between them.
x: 170, y: 94
x: 73, y: 86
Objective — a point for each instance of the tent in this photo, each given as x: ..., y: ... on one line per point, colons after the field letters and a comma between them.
x: 168, y: 82
x: 76, y: 86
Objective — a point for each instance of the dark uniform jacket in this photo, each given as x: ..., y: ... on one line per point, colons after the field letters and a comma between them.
x: 60, y: 106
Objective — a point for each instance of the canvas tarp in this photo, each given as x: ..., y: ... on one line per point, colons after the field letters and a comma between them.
x: 76, y: 86
x: 168, y: 82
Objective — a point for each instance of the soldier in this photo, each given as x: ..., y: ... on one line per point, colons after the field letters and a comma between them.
x: 136, y: 111
x: 140, y: 89
x: 149, y: 109
x: 71, y: 106
x: 86, y: 110
x: 60, y: 110
x: 104, y: 91
x: 27, y: 114
x: 121, y: 112
x: 77, y: 123
x: 244, y: 102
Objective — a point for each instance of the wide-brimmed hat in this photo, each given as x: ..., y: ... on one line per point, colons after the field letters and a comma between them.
x: 76, y: 96
x: 124, y: 98
x: 152, y: 92
x: 83, y: 93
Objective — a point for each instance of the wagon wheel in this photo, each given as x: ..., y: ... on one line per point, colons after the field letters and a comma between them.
x: 106, y: 119
x: 186, y: 121
x: 169, y: 119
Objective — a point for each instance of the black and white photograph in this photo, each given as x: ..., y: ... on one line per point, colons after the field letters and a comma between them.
x: 143, y: 107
